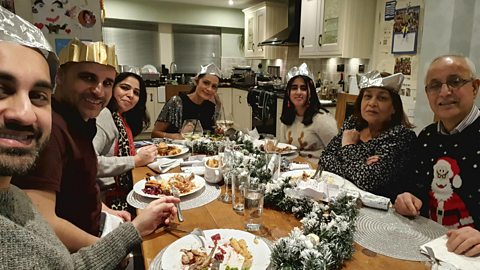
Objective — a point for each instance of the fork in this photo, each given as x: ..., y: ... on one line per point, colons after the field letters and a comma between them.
x: 176, y: 194
x: 318, y: 172
x: 431, y: 254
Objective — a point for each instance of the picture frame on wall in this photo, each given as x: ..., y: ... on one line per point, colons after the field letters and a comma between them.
x: 405, y: 30
x: 8, y: 4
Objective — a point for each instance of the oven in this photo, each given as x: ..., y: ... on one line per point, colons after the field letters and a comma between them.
x: 263, y: 101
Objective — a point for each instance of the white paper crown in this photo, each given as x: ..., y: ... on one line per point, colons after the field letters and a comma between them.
x: 210, y: 69
x: 374, y: 79
x: 301, y: 70
x: 17, y: 30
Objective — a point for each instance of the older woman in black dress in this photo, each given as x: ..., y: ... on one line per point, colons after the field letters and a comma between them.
x: 374, y: 144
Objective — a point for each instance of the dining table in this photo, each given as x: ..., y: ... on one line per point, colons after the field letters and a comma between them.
x: 275, y: 224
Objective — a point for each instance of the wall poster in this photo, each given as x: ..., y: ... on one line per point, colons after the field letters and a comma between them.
x: 62, y: 20
x: 405, y: 30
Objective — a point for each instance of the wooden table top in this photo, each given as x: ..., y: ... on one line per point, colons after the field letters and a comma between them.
x: 218, y: 215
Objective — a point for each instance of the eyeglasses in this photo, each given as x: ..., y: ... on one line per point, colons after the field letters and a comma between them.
x: 453, y: 82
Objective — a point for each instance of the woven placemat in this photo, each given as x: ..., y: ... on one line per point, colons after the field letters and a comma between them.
x: 393, y: 235
x: 207, y: 194
x: 156, y: 264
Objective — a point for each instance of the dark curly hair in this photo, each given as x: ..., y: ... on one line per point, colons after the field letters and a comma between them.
x: 398, y: 118
x: 314, y: 106
x: 137, y: 118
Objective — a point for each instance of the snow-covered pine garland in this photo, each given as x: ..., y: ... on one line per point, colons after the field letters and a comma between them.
x: 327, y: 236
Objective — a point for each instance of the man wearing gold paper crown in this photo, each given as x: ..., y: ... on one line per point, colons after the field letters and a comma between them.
x: 447, y: 161
x: 63, y: 184
x: 27, y: 66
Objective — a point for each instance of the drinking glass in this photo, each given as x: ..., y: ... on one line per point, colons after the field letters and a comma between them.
x: 227, y: 161
x: 225, y: 120
x: 254, y: 196
x: 239, y: 183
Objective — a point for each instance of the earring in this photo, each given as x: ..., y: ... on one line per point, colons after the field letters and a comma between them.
x: 288, y: 104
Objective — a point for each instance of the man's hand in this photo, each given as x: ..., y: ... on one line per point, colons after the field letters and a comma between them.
x: 350, y: 136
x: 158, y: 212
x: 408, y: 205
x: 464, y: 241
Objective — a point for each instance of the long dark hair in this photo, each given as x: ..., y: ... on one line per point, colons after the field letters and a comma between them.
x: 137, y: 118
x: 398, y: 118
x: 313, y: 103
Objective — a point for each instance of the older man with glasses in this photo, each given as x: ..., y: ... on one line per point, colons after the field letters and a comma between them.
x: 447, y: 168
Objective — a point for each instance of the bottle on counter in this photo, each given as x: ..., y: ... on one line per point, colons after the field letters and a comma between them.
x: 341, y: 84
x: 319, y: 80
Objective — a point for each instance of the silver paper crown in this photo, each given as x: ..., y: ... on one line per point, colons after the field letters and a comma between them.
x: 374, y: 79
x: 301, y: 70
x: 17, y: 30
x: 210, y: 69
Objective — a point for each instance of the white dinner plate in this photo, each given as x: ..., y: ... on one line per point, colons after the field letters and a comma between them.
x: 293, y: 148
x: 331, y: 178
x: 171, y: 259
x: 183, y: 150
x: 140, y: 185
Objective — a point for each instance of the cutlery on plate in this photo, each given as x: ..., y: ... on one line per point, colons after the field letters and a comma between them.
x: 431, y: 254
x: 197, y: 232
x: 176, y: 194
x: 318, y: 172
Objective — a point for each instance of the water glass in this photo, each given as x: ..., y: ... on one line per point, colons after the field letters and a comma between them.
x: 239, y: 183
x: 254, y: 195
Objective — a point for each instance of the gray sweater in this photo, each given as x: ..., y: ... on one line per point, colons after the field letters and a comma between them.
x: 28, y: 242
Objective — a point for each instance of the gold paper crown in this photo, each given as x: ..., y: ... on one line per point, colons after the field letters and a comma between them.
x: 82, y: 51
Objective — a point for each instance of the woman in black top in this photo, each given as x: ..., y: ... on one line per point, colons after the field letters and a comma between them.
x: 194, y: 105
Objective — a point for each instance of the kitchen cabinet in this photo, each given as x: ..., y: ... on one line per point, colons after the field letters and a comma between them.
x: 337, y: 28
x: 261, y: 22
x: 153, y: 104
x: 242, y: 112
x: 225, y: 95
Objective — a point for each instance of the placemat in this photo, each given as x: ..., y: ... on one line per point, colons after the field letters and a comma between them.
x: 393, y: 235
x: 207, y: 194
x: 156, y: 264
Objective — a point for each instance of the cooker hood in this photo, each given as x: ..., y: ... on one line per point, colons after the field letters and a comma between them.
x: 289, y: 36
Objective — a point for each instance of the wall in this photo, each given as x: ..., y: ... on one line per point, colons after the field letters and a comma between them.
x: 173, y: 13
x: 454, y: 32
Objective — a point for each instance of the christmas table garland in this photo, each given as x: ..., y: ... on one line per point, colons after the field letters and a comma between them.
x: 326, y: 239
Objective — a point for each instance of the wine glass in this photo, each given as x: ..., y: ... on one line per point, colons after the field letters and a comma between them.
x: 225, y: 120
x: 191, y: 129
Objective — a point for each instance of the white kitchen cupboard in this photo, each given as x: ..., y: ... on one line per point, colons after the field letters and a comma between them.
x: 153, y: 105
x: 337, y: 28
x: 242, y: 112
x: 261, y: 22
x: 225, y: 95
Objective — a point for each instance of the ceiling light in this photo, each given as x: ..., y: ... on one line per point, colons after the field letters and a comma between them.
x: 230, y: 2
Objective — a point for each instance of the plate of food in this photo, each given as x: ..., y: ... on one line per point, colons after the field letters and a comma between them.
x: 280, y: 148
x: 304, y: 175
x: 234, y: 249
x: 168, y: 150
x: 186, y: 183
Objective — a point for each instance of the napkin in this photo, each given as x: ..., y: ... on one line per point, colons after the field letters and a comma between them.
x: 162, y: 165
x: 198, y: 170
x: 299, y: 166
x: 439, y: 247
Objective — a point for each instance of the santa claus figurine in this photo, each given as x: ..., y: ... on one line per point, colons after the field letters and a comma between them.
x: 446, y: 207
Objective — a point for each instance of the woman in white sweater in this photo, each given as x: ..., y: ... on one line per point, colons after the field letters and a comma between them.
x: 124, y: 118
x: 305, y: 123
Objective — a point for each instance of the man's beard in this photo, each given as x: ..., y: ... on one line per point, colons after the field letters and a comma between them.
x: 18, y: 161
